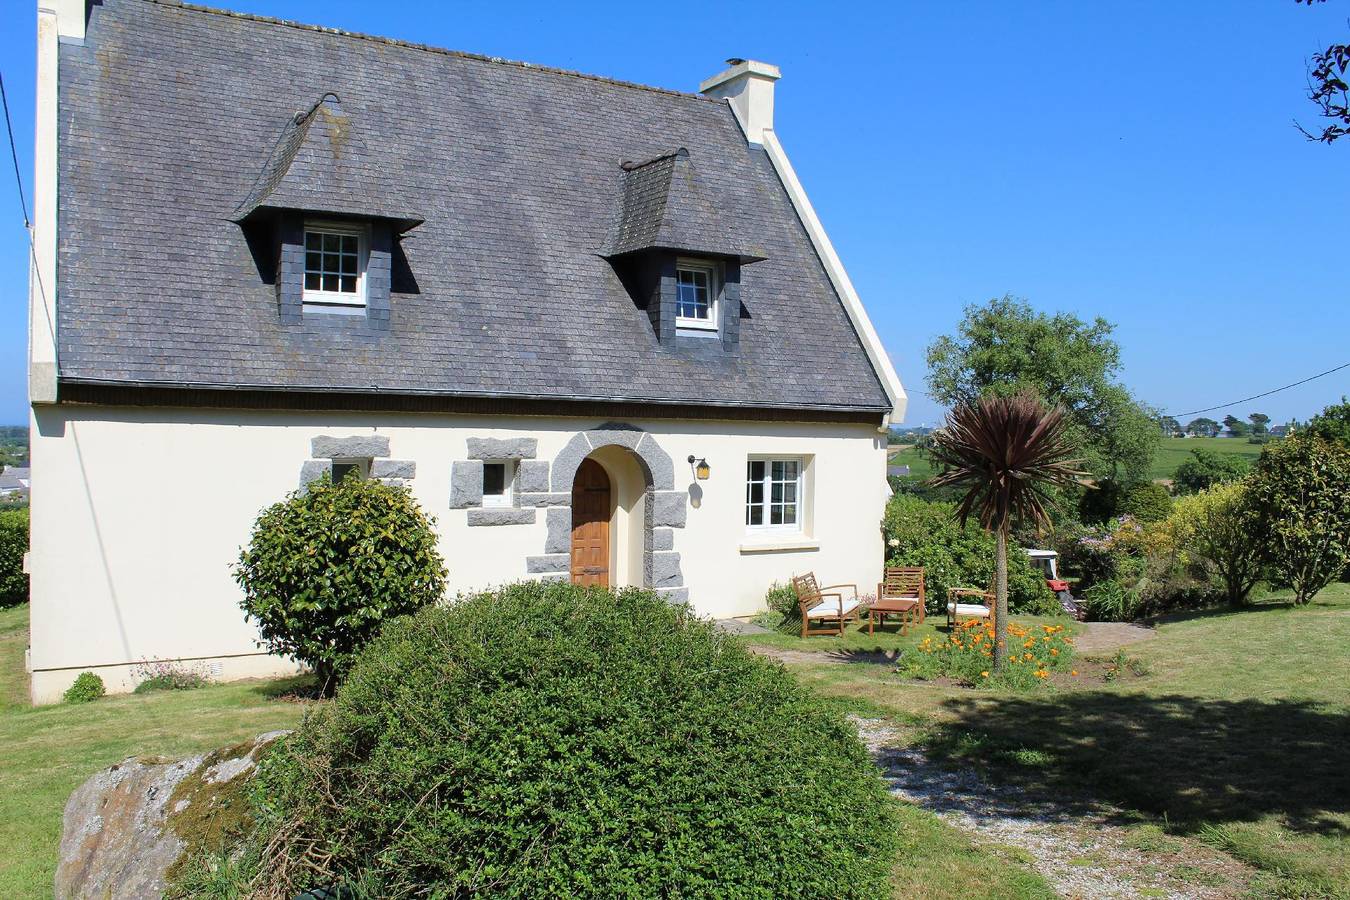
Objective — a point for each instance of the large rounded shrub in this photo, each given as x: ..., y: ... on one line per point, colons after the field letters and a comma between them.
x: 13, y: 545
x: 329, y: 565
x: 546, y: 740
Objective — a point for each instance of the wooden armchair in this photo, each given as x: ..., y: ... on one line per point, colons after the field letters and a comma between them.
x: 825, y: 605
x: 969, y: 603
x: 900, y: 593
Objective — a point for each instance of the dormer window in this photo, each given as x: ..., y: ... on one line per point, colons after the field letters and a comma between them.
x: 696, y: 294
x: 335, y: 265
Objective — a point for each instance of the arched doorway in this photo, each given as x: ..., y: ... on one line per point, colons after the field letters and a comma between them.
x: 592, y: 509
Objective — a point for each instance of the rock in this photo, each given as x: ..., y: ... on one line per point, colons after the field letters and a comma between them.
x: 125, y: 828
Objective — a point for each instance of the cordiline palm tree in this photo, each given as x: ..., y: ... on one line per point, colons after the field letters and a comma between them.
x: 1006, y: 451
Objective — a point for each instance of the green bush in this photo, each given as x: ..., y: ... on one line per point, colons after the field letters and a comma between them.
x: 1333, y: 423
x: 1205, y: 469
x: 1146, y: 502
x: 1111, y: 601
x: 1300, y: 491
x: 168, y: 676
x: 13, y: 545
x: 328, y: 566
x: 87, y: 688
x: 924, y: 533
x: 545, y: 740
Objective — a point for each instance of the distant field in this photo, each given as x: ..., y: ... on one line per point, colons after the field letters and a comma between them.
x: 1175, y: 451
x: 1171, y: 453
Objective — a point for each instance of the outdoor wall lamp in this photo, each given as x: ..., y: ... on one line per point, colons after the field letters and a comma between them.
x: 701, y: 468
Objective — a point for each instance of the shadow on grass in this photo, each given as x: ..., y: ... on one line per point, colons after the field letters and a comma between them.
x: 295, y: 688
x: 1194, y: 761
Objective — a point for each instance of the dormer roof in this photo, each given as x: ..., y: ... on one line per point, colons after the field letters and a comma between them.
x: 322, y: 164
x: 664, y: 205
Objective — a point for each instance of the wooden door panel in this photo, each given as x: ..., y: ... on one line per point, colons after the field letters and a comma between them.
x: 590, y: 525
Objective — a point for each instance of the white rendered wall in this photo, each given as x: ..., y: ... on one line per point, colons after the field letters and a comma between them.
x: 138, y: 514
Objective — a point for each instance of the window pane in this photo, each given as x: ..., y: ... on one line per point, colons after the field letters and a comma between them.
x: 777, y: 495
x: 756, y: 470
x: 790, y: 470
x: 775, y: 515
x: 349, y: 244
x: 330, y: 243
x: 778, y: 466
x: 311, y: 281
x: 755, y: 490
x: 790, y: 514
x: 754, y: 515
x: 330, y: 282
x: 349, y: 284
x: 313, y: 261
x: 790, y: 492
x: 494, y: 479
x: 349, y: 264
x: 313, y: 240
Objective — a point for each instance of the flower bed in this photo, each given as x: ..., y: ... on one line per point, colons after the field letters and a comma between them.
x: 967, y: 655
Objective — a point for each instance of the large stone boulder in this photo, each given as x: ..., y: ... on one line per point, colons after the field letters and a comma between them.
x: 125, y: 829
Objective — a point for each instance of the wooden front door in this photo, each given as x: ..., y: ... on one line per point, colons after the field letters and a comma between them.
x: 590, y: 525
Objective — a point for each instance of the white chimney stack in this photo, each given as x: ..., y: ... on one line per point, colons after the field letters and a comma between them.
x: 748, y: 85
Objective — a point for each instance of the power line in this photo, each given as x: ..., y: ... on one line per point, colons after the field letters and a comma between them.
x: 14, y: 153
x: 1259, y: 396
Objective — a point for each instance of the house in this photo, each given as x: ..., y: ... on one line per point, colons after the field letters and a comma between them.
x: 15, y: 482
x: 596, y: 328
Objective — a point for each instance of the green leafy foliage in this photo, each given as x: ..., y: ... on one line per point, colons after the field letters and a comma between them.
x: 546, y: 740
x: 13, y: 545
x: 925, y: 533
x: 87, y: 688
x: 966, y: 655
x: 1333, y: 423
x: 1205, y: 469
x: 1006, y: 346
x: 164, y: 675
x: 1147, y: 502
x: 1218, y: 529
x: 1110, y: 499
x: 328, y: 566
x: 1112, y: 601
x: 1300, y: 491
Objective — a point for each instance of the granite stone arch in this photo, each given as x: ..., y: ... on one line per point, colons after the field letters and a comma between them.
x: 665, y: 508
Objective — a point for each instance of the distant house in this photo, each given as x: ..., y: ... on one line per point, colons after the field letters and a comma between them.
x: 1280, y: 431
x: 15, y: 482
x: 897, y: 471
x: 594, y: 327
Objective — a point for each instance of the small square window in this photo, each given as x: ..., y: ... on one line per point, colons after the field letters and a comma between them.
x: 696, y: 294
x: 335, y: 265
x: 497, y: 478
x: 773, y: 492
x: 350, y: 468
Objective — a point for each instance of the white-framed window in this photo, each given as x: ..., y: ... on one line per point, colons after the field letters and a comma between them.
x: 335, y: 264
x: 498, y: 478
x: 350, y: 468
x: 774, y: 493
x: 696, y: 294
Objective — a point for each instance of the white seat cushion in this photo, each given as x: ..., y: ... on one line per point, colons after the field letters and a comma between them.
x: 968, y: 609
x: 830, y: 608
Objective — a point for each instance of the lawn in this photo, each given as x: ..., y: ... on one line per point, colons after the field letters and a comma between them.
x: 1235, y: 735
x: 45, y: 753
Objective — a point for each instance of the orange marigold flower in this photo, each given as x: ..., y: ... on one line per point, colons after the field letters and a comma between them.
x: 984, y: 674
x: 1054, y: 651
x: 1073, y: 671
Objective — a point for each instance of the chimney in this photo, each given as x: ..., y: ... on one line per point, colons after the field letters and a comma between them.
x: 749, y: 86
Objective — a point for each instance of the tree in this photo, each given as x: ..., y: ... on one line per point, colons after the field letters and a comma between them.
x: 1259, y: 421
x: 1218, y: 526
x: 1168, y: 426
x: 1204, y: 427
x: 1328, y: 89
x: 1005, y: 451
x: 329, y: 565
x: 1205, y: 469
x: 1236, y: 426
x: 1300, y: 490
x: 1005, y: 346
x: 1333, y: 423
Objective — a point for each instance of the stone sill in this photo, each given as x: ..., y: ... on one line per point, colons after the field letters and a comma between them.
x: 781, y: 545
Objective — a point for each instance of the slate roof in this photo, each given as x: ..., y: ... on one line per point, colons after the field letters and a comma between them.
x: 170, y: 121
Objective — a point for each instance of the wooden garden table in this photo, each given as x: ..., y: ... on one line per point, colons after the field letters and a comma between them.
x: 905, y: 608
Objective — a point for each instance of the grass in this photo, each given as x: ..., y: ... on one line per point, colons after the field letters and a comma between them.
x: 1172, y: 452
x: 1237, y: 735
x: 45, y: 753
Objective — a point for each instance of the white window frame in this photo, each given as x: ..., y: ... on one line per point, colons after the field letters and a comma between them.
x: 712, y: 270
x: 336, y: 298
x: 796, y: 527
x: 506, y: 498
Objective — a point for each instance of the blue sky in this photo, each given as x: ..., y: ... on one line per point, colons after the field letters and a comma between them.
x: 1135, y: 160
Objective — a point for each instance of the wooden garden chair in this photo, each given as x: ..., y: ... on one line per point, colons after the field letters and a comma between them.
x: 825, y: 605
x: 901, y: 593
x: 969, y: 603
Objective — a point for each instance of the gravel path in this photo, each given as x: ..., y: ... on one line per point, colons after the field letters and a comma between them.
x: 1103, y: 637
x: 1079, y: 852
